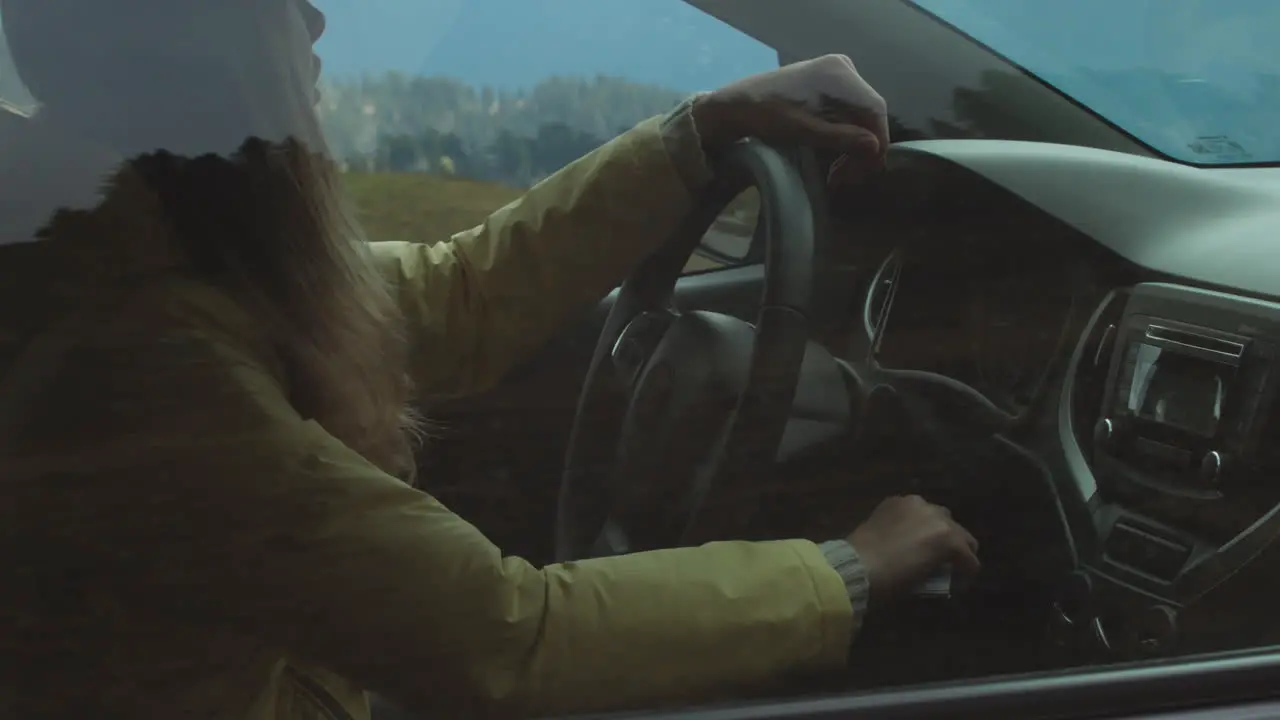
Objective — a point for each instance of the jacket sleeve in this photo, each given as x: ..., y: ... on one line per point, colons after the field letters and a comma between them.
x: 278, y: 531
x: 482, y: 301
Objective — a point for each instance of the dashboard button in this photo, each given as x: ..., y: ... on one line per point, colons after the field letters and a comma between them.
x: 1211, y: 466
x: 1155, y: 628
x: 1104, y: 433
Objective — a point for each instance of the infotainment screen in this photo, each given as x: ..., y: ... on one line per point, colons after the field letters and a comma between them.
x: 1179, y: 390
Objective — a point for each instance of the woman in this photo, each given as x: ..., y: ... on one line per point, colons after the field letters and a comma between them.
x: 205, y: 425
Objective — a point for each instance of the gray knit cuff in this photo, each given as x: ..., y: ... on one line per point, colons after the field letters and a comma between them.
x: 684, y: 145
x: 842, y: 557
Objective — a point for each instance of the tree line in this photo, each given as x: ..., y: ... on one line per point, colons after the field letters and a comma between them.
x: 398, y: 123
x: 511, y: 159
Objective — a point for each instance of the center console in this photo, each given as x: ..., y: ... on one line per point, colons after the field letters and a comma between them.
x: 1182, y: 445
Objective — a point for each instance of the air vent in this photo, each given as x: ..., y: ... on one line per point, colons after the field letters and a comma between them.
x: 881, y: 293
x: 1090, y: 381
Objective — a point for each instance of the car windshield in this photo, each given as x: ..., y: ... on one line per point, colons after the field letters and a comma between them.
x: 1197, y: 80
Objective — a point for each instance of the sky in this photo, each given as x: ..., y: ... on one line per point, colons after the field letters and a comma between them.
x: 516, y: 43
x: 1209, y: 47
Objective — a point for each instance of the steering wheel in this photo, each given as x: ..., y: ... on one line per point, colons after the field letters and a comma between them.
x: 674, y: 402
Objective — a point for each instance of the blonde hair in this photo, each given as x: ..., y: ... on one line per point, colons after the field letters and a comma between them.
x: 270, y: 226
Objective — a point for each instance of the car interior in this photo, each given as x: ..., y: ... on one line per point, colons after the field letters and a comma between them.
x: 1029, y: 317
x: 1064, y: 337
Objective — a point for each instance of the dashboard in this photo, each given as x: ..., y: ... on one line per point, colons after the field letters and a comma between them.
x: 989, y: 315
x: 1117, y: 317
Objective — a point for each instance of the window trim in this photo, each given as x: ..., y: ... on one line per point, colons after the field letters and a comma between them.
x: 1235, y: 679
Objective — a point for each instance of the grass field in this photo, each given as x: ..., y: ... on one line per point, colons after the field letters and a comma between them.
x: 419, y: 207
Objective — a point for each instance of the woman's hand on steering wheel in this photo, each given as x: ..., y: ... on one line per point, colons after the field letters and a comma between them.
x: 908, y: 539
x: 822, y: 103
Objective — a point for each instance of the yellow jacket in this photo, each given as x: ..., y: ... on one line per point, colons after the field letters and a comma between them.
x: 178, y: 543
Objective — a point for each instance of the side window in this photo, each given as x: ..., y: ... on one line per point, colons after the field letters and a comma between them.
x: 437, y: 129
x: 728, y: 241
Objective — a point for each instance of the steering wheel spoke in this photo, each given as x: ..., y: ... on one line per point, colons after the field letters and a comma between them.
x: 637, y: 342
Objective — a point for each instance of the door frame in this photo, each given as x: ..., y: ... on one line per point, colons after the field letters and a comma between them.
x: 1245, y: 681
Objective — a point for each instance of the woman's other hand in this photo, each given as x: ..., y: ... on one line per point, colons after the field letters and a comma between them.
x: 908, y: 539
x: 821, y: 103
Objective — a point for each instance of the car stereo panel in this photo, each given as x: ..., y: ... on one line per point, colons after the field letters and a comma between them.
x: 1184, y: 445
